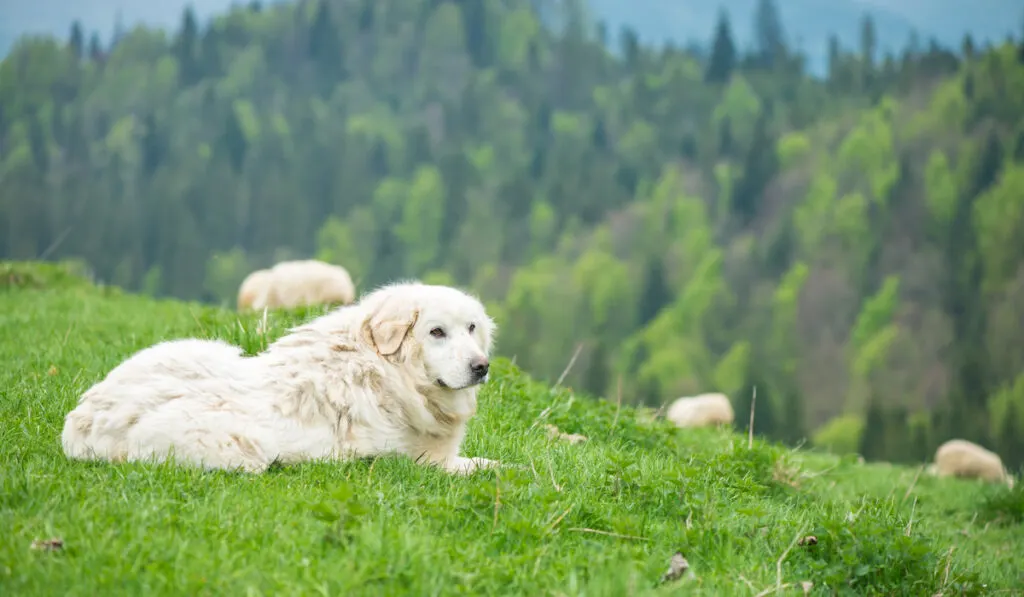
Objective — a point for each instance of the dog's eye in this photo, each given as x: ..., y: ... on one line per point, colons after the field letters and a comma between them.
x: 437, y: 333
x: 472, y: 327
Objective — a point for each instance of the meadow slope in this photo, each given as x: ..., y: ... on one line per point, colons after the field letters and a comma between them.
x: 599, y: 518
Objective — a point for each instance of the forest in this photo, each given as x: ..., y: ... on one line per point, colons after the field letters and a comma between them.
x: 678, y: 220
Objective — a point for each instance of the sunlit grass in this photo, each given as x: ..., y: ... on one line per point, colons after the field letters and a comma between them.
x: 598, y: 518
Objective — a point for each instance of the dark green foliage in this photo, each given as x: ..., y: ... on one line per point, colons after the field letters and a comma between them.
x: 1005, y: 507
x: 63, y: 275
x: 76, y: 41
x: 766, y: 415
x: 1010, y: 439
x: 872, y: 441
x: 186, y: 49
x: 95, y: 48
x: 723, y: 53
x: 769, y: 37
x: 655, y: 294
x: 325, y: 46
x: 845, y: 558
x: 234, y: 141
x: 760, y: 166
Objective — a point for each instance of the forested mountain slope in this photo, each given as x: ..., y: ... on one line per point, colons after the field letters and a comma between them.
x: 849, y: 247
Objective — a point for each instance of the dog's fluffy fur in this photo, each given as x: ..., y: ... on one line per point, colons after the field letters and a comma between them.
x: 396, y: 372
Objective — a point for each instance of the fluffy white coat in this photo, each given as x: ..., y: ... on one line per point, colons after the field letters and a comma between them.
x: 701, y: 410
x: 396, y: 372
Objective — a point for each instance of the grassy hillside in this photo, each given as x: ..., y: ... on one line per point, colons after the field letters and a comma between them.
x: 601, y: 518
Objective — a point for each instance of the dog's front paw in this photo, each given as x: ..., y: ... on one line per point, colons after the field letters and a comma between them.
x: 464, y: 466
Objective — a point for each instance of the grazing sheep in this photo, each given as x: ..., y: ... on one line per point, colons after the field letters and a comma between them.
x: 961, y: 458
x: 291, y: 284
x: 253, y: 289
x: 701, y: 411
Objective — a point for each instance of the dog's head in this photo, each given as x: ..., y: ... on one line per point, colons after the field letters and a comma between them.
x: 442, y: 333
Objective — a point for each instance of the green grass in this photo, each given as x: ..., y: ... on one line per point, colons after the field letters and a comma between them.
x: 388, y: 526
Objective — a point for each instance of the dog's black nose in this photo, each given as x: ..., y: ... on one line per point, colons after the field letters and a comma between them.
x: 479, y: 367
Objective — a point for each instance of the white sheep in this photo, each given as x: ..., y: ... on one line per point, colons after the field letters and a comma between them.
x: 253, y: 289
x: 291, y: 284
x: 701, y: 411
x: 961, y: 458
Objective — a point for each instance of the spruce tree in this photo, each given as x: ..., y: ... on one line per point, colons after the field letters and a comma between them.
x: 723, y: 53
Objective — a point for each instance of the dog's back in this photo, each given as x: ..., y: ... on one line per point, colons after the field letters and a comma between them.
x: 102, y: 422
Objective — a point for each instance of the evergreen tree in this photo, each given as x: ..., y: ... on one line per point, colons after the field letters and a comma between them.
x: 898, y: 442
x: 920, y: 448
x: 325, y: 47
x: 478, y: 34
x: 868, y: 43
x: 1020, y: 50
x: 968, y: 86
x: 76, y: 41
x: 234, y: 142
x: 595, y: 379
x: 599, y: 137
x: 655, y: 293
x: 95, y: 48
x: 630, y: 46
x: 769, y: 36
x: 1018, y: 147
x: 602, y: 33
x: 186, y: 48
x: 1010, y: 439
x: 834, y: 59
x: 723, y: 52
x: 765, y: 418
x: 367, y: 15
x: 967, y: 47
x: 988, y: 165
x: 152, y: 146
x: 725, y: 140
x: 872, y: 441
x: 209, y: 53
x: 760, y: 166
x: 119, y: 30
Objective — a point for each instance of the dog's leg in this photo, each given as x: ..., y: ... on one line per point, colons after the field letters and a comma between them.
x: 451, y: 462
x: 464, y: 466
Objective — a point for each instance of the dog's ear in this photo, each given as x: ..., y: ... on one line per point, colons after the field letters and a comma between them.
x: 389, y: 325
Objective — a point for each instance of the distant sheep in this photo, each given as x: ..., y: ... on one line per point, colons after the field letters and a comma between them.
x: 291, y: 284
x: 961, y: 458
x: 701, y: 411
x: 253, y: 289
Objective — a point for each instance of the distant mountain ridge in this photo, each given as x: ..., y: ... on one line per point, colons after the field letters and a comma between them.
x: 808, y: 23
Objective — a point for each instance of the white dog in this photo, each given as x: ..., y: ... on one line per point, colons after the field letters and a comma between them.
x: 396, y: 372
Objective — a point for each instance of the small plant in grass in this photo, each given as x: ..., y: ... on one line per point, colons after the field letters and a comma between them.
x: 343, y: 511
x: 1005, y: 506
